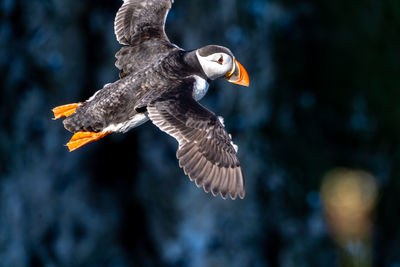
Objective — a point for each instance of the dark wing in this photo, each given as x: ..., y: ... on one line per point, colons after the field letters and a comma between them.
x: 140, y: 20
x: 205, y: 152
x: 140, y: 25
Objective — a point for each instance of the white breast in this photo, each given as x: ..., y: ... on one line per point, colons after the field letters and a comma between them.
x: 200, y: 88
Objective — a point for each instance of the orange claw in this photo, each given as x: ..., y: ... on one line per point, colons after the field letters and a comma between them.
x: 65, y: 110
x: 80, y: 139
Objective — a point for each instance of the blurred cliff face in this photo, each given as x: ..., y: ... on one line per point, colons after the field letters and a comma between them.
x: 324, y: 94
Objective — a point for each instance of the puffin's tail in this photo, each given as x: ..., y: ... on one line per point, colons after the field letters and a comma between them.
x: 80, y: 138
x: 65, y: 110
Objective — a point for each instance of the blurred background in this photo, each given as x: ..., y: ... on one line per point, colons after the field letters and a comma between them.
x: 318, y: 133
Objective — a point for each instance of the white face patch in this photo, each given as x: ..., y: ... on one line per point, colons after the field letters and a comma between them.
x: 215, y: 65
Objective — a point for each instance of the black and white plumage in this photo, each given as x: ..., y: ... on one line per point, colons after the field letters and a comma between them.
x: 163, y: 83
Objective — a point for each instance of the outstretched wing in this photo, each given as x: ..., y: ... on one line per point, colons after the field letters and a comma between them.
x: 206, y: 152
x: 140, y: 25
x: 140, y: 20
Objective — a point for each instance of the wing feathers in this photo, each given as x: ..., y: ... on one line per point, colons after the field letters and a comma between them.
x: 140, y: 20
x: 205, y: 152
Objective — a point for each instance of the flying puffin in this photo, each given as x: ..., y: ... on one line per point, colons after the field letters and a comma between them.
x: 162, y: 82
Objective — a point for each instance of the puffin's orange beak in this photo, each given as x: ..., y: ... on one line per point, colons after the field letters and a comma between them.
x: 238, y: 75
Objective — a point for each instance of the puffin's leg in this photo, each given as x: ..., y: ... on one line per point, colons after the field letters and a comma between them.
x: 65, y: 110
x: 82, y: 138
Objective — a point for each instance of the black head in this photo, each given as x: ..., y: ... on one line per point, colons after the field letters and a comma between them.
x: 213, y: 49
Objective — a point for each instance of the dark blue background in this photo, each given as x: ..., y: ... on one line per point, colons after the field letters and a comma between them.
x: 325, y: 88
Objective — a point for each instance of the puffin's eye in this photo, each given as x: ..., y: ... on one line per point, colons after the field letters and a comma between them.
x: 221, y: 60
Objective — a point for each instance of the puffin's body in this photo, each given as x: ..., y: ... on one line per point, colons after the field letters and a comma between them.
x: 163, y: 83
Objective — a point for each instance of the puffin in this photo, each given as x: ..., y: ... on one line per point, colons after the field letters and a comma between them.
x: 163, y: 83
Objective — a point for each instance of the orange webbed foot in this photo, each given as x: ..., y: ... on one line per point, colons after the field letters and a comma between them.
x: 65, y: 110
x: 80, y: 139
